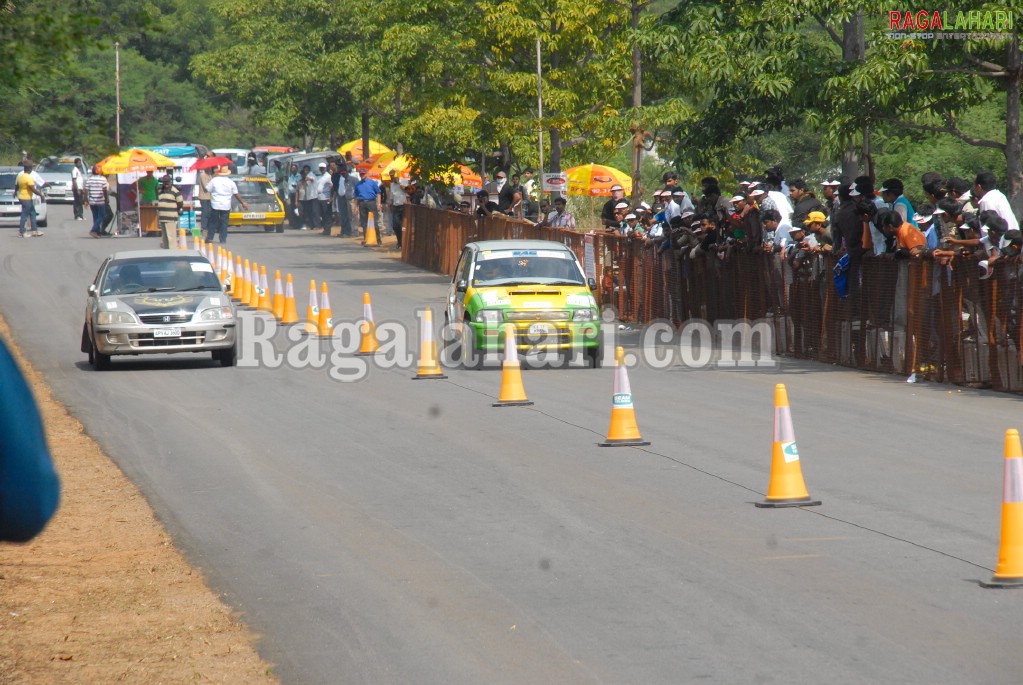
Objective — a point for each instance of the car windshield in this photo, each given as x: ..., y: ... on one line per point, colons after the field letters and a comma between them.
x: 53, y: 166
x: 158, y: 275
x: 506, y: 267
x: 248, y: 188
x: 7, y: 181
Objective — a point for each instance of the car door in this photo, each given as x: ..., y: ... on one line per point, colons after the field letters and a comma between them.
x: 456, y: 292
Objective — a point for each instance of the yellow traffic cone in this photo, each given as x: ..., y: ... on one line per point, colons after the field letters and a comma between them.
x: 1009, y: 571
x: 623, y: 432
x: 278, y: 301
x: 325, y: 320
x: 182, y: 239
x: 786, y: 488
x: 290, y: 308
x: 371, y: 230
x: 429, y: 367
x: 513, y: 394
x: 312, y: 312
x: 265, y: 303
x: 368, y: 329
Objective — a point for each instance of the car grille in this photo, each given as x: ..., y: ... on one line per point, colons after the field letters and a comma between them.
x: 187, y: 339
x: 537, y: 315
x: 157, y: 319
x: 557, y: 336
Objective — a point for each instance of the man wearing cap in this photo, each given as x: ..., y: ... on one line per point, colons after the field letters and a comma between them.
x: 891, y: 193
x: 367, y: 195
x: 222, y: 191
x: 681, y: 198
x: 398, y: 198
x: 819, y: 240
x: 324, y: 184
x: 829, y: 190
x: 607, y: 212
x: 629, y: 225
x: 924, y: 219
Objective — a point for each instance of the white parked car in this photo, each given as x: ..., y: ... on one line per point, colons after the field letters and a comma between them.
x: 10, y: 208
x: 56, y: 171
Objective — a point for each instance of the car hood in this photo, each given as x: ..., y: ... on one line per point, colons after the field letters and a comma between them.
x: 533, y: 296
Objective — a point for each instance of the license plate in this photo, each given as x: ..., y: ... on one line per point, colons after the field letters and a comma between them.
x: 539, y: 329
x: 254, y: 215
x: 166, y: 332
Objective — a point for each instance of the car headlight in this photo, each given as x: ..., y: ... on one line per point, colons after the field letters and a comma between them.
x: 216, y: 314
x: 107, y: 318
x: 488, y: 316
x: 584, y: 315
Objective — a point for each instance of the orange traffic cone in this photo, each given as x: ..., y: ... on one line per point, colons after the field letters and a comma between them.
x: 182, y: 240
x: 312, y: 312
x: 254, y: 291
x: 229, y: 273
x: 265, y: 303
x: 290, y: 308
x: 325, y: 320
x: 512, y: 392
x: 246, y: 285
x: 1009, y: 571
x: 278, y: 301
x: 371, y: 230
x: 369, y: 344
x: 786, y: 488
x: 429, y: 367
x: 239, y: 280
x: 623, y: 431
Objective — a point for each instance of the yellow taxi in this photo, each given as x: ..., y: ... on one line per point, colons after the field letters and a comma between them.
x: 536, y: 286
x: 265, y: 206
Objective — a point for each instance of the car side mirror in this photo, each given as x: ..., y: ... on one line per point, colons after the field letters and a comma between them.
x: 592, y: 284
x: 461, y: 286
x: 91, y: 290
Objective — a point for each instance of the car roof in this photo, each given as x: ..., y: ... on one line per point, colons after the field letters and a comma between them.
x: 10, y: 169
x: 150, y: 254
x: 518, y: 245
x: 303, y: 156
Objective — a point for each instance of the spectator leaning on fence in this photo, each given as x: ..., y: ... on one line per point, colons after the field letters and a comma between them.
x: 985, y: 190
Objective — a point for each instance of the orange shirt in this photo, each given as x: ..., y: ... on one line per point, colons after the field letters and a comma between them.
x: 909, y: 236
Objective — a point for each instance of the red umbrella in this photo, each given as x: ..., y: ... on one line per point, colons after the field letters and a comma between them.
x: 210, y: 163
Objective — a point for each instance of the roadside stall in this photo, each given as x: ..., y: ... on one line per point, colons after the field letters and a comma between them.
x: 185, y: 177
x: 129, y: 166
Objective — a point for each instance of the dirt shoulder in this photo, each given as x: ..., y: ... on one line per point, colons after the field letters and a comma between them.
x: 102, y: 595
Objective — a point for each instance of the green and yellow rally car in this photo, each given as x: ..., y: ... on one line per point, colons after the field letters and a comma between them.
x: 538, y: 287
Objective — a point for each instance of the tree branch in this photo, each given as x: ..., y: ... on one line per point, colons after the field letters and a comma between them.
x: 831, y: 32
x: 950, y: 128
x: 990, y: 66
x: 957, y: 70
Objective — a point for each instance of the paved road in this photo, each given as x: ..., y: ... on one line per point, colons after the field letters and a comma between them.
x: 391, y: 531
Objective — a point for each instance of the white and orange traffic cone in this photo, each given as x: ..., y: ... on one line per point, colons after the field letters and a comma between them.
x: 369, y: 343
x: 182, y: 239
x: 312, y: 312
x: 325, y: 319
x: 513, y: 394
x: 253, y: 301
x: 371, y: 230
x: 623, y: 431
x: 222, y: 264
x: 1009, y: 571
x: 429, y: 365
x: 239, y: 280
x: 246, y: 285
x: 195, y: 242
x: 786, y: 487
x: 265, y: 303
x: 278, y: 301
x: 290, y: 315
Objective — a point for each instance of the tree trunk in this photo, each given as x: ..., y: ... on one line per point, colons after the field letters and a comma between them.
x: 365, y: 132
x: 854, y: 49
x: 1013, y: 144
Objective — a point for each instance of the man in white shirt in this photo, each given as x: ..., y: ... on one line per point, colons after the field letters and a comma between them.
x: 78, y: 188
x: 324, y: 189
x: 398, y: 199
x: 985, y: 191
x: 222, y: 190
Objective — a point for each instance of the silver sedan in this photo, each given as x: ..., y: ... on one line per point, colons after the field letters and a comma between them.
x: 158, y: 301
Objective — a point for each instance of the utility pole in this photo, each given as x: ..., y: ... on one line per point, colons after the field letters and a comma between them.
x: 117, y: 81
x: 539, y: 107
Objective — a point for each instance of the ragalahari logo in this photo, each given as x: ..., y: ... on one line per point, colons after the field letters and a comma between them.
x: 950, y: 20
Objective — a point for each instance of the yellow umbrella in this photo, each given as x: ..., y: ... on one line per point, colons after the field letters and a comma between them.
x: 355, y: 147
x: 401, y: 164
x: 135, y: 161
x: 596, y: 179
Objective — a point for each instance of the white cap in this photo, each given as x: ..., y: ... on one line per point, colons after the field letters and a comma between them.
x: 323, y: 165
x: 622, y: 205
x: 853, y: 192
x: 630, y: 215
x: 736, y: 198
x: 922, y: 218
x: 757, y: 193
x: 986, y: 270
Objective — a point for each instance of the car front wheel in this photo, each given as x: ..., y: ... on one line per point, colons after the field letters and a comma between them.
x: 226, y: 357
